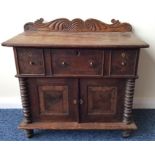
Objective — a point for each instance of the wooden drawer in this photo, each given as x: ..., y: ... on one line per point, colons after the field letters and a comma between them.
x: 30, y: 61
x: 121, y: 62
x: 77, y: 62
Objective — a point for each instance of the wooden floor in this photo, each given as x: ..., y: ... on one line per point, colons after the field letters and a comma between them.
x: 78, y: 126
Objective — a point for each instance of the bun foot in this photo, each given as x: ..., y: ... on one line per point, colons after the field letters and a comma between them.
x: 126, y: 133
x: 29, y: 133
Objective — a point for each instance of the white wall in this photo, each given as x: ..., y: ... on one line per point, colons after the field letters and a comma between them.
x: 141, y: 14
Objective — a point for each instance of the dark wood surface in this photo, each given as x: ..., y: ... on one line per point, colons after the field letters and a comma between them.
x: 77, y: 25
x: 103, y: 100
x: 77, y: 33
x: 62, y: 62
x: 78, y: 126
x: 53, y: 99
x: 77, y: 74
x: 76, y: 39
x: 30, y: 61
x: 124, y: 61
x: 69, y: 61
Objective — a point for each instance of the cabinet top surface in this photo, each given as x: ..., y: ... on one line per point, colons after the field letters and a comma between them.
x: 90, y: 33
x: 76, y: 39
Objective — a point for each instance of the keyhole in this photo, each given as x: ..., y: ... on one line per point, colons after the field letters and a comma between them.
x: 77, y: 53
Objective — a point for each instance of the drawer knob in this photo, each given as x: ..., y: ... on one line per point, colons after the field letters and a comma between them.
x: 31, y: 63
x: 63, y: 63
x: 74, y: 101
x: 81, y: 101
x: 123, y: 55
x: 123, y: 63
x: 91, y: 64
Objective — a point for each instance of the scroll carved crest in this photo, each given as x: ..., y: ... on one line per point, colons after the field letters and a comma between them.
x: 77, y: 25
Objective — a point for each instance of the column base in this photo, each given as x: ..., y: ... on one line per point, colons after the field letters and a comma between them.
x: 29, y: 133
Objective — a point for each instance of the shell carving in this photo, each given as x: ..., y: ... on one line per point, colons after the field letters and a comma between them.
x: 77, y: 25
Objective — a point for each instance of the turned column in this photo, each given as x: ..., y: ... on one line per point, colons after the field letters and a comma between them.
x: 128, y: 103
x: 25, y: 104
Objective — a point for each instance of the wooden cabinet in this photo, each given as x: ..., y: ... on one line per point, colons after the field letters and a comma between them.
x: 77, y: 74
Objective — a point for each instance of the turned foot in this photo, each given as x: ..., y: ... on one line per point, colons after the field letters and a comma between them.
x: 126, y: 133
x: 29, y: 133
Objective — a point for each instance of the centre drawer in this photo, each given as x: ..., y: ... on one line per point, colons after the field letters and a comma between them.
x: 77, y: 61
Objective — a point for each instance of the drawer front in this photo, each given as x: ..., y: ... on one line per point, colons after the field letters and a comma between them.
x: 121, y: 62
x: 77, y: 62
x: 30, y: 61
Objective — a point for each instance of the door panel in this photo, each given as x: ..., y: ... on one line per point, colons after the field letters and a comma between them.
x: 53, y: 99
x: 102, y: 100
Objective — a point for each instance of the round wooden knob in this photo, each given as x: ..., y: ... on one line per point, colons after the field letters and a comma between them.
x: 91, y: 64
x: 63, y: 63
x: 123, y: 63
x: 81, y: 101
x: 31, y: 63
x: 74, y: 101
x: 123, y: 54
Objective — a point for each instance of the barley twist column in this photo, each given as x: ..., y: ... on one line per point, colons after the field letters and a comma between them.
x: 129, y: 93
x: 25, y: 104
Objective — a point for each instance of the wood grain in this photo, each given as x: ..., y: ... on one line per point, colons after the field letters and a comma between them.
x: 76, y: 62
x: 52, y: 99
x: 95, y: 103
x: 76, y: 39
x: 77, y: 126
x: 77, y: 25
x: 30, y: 61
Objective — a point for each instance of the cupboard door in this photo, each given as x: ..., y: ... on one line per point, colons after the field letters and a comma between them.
x: 101, y: 100
x: 53, y: 99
